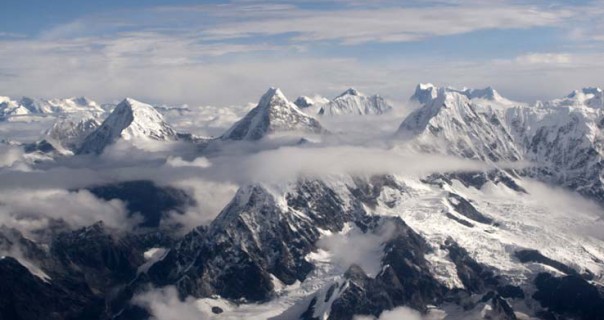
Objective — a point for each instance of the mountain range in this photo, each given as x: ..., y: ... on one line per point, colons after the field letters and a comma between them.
x: 473, y: 239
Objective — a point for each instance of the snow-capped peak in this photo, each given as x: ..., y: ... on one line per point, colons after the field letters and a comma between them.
x: 131, y: 119
x: 273, y: 113
x: 452, y: 122
x: 273, y: 96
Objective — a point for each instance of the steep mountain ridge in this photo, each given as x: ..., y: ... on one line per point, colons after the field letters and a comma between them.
x: 451, y: 122
x: 561, y: 139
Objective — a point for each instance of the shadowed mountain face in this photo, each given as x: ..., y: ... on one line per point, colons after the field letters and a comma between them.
x: 152, y: 202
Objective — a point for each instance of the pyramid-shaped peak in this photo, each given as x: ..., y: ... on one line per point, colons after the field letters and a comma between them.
x: 130, y: 120
x: 272, y: 96
x: 274, y: 113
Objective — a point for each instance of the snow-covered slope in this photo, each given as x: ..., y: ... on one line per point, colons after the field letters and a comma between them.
x: 274, y: 113
x: 130, y: 120
x: 452, y: 122
x: 352, y: 102
x: 336, y: 244
x: 561, y: 139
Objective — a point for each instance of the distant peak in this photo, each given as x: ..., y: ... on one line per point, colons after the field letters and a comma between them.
x: 303, y: 102
x: 27, y: 100
x: 427, y: 92
x: 586, y: 90
x: 82, y: 100
x: 350, y: 92
x: 424, y: 86
x: 487, y: 93
x: 424, y: 93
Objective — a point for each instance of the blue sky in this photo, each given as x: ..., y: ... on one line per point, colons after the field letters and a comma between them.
x: 229, y: 52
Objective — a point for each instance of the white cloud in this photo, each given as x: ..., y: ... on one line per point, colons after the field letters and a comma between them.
x: 164, y: 304
x: 392, y: 24
x: 287, y: 163
x: 211, y: 197
x: 10, y: 155
x: 544, y: 58
x: 356, y: 247
x: 207, y: 121
x: 399, y: 313
x: 32, y: 210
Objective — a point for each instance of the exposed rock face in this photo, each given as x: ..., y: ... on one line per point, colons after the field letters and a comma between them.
x: 25, y: 296
x: 402, y: 281
x: 569, y: 296
x: 252, y: 238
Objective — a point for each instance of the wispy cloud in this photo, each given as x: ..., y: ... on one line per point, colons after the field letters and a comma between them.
x: 229, y: 53
x: 355, y: 26
x: 544, y: 58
